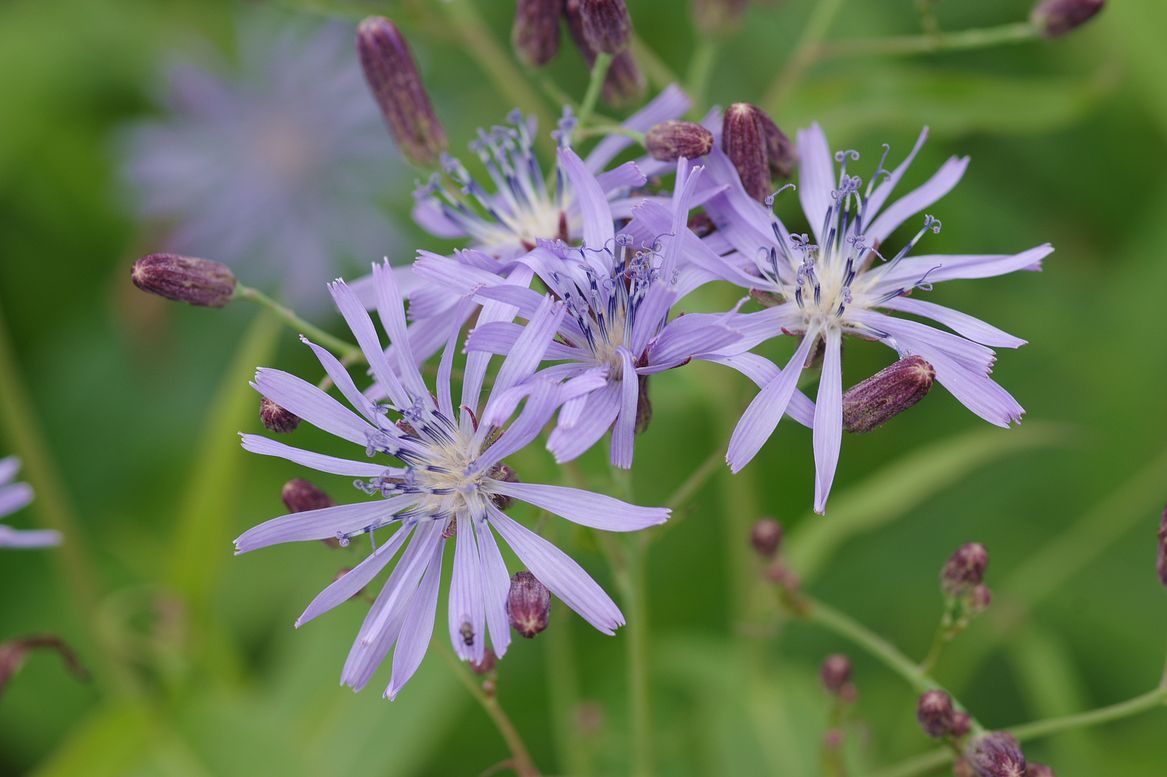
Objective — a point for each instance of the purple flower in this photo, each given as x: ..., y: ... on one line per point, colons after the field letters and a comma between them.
x: 444, y: 488
x: 274, y: 164
x: 14, y: 496
x: 836, y: 282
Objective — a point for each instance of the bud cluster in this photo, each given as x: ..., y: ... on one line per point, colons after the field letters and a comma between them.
x: 939, y: 717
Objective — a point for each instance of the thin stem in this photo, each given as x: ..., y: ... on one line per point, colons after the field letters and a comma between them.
x: 804, y: 53
x: 519, y: 754
x: 563, y: 689
x: 908, y: 45
x: 939, y: 642
x: 697, y: 478
x: 701, y: 68
x: 595, y: 84
x: 610, y: 129
x: 347, y: 352
x: 639, y: 682
x: 659, y: 74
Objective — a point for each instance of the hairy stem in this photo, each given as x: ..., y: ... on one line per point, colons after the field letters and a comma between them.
x: 595, y: 83
x: 345, y: 351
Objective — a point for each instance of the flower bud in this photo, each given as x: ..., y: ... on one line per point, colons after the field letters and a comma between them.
x: 1055, y: 18
x: 836, y: 672
x: 299, y: 496
x: 398, y: 89
x: 198, y: 282
x: 671, y: 140
x: 995, y: 755
x: 780, y: 153
x: 965, y: 569
x: 1161, y: 564
x: 535, y: 34
x: 744, y: 142
x: 961, y: 723
x: 606, y: 25
x: 528, y: 604
x: 624, y: 83
x: 1039, y: 770
x: 872, y: 403
x: 766, y: 537
x: 718, y: 18
x: 979, y: 599
x: 643, y: 406
x: 275, y: 418
x: 935, y: 712
x: 488, y: 662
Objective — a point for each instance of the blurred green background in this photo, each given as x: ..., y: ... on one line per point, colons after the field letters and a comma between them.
x: 137, y: 401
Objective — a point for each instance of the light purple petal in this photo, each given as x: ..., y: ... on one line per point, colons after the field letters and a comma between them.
x: 322, y: 524
x: 540, y: 406
x: 761, y: 371
x: 828, y: 420
x: 467, y: 604
x: 391, y: 311
x: 358, y: 321
x: 9, y: 466
x: 626, y: 176
x: 428, y: 215
x: 14, y: 497
x: 906, y: 273
x: 688, y: 336
x: 496, y: 584
x: 351, y: 583
x: 915, y: 201
x: 342, y: 380
x: 593, y: 205
x: 493, y: 311
x: 30, y: 538
x: 569, y: 443
x: 586, y: 508
x: 418, y: 627
x: 520, y: 364
x: 962, y: 323
x: 816, y: 177
x: 307, y: 401
x: 317, y: 461
x: 885, y: 188
x: 624, y: 432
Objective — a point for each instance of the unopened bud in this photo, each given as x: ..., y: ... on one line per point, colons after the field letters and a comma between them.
x: 275, y: 418
x: 961, y: 723
x: 1039, y: 770
x: 643, y: 405
x: 1055, y: 18
x: 780, y: 153
x: 535, y: 34
x: 504, y: 473
x: 1161, y: 564
x: 889, y: 392
x: 935, y: 712
x: 607, y: 26
x: 488, y: 662
x: 528, y: 604
x: 198, y: 282
x: 624, y: 83
x: 836, y: 672
x: 979, y: 599
x: 766, y: 536
x: 718, y: 18
x: 962, y: 768
x: 965, y: 569
x: 744, y: 142
x: 671, y: 140
x: 995, y: 755
x: 397, y: 87
x: 300, y: 495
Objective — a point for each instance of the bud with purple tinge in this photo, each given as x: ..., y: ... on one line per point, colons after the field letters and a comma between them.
x: 979, y: 599
x: 743, y: 140
x: 607, y: 26
x: 889, y: 392
x: 780, y: 153
x: 671, y: 140
x: 961, y: 723
x: 397, y: 87
x: 718, y: 18
x: 1161, y: 564
x: 766, y: 537
x: 300, y: 495
x: 488, y: 662
x: 528, y: 604
x: 995, y: 755
x: 275, y: 418
x: 624, y: 83
x: 535, y: 34
x: 1039, y: 770
x: 965, y: 569
x: 935, y: 712
x: 1055, y: 18
x: 836, y: 672
x: 643, y: 406
x: 198, y: 282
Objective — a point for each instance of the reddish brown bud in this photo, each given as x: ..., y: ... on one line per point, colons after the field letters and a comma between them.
x: 528, y: 604
x: 836, y: 672
x: 1055, y: 18
x: 995, y: 755
x: 889, y: 392
x: 979, y: 599
x: 397, y: 87
x: 275, y: 418
x: 766, y: 537
x: 300, y: 495
x: 744, y: 142
x: 935, y: 712
x: 718, y: 18
x: 624, y: 83
x: 961, y: 723
x: 1039, y: 770
x: 607, y: 26
x: 671, y: 140
x: 780, y: 153
x: 486, y: 665
x: 198, y: 282
x: 965, y: 569
x: 535, y: 34
x: 1161, y: 564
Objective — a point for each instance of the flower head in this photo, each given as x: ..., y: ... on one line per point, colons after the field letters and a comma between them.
x: 839, y: 279
x: 441, y: 490
x: 14, y: 496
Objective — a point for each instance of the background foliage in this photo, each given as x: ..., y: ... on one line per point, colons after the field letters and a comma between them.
x: 138, y: 401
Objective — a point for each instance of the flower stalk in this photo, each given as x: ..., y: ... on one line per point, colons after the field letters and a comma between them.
x: 348, y: 352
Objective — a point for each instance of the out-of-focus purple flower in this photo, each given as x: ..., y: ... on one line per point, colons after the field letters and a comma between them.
x: 836, y: 281
x: 445, y: 488
x: 14, y: 496
x: 276, y: 165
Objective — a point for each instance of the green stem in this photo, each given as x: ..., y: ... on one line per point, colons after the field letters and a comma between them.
x: 659, y: 74
x: 908, y: 45
x: 609, y: 129
x: 345, y: 351
x: 639, y: 681
x: 563, y: 689
x: 595, y: 84
x: 701, y: 68
x: 55, y: 510
x: 520, y: 757
x: 804, y: 53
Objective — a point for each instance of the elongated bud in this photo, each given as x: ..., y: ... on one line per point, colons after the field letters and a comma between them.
x: 198, y: 282
x: 995, y: 755
x: 528, y: 604
x: 1161, y: 564
x: 935, y: 712
x: 766, y: 537
x: 300, y: 495
x: 836, y: 672
x: 1039, y: 770
x: 624, y: 83
x: 965, y: 569
x: 1055, y: 18
x: 535, y: 34
x: 397, y: 87
x: 889, y: 392
x: 718, y: 18
x: 744, y: 142
x: 780, y: 153
x: 275, y: 418
x: 607, y: 26
x: 671, y: 140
